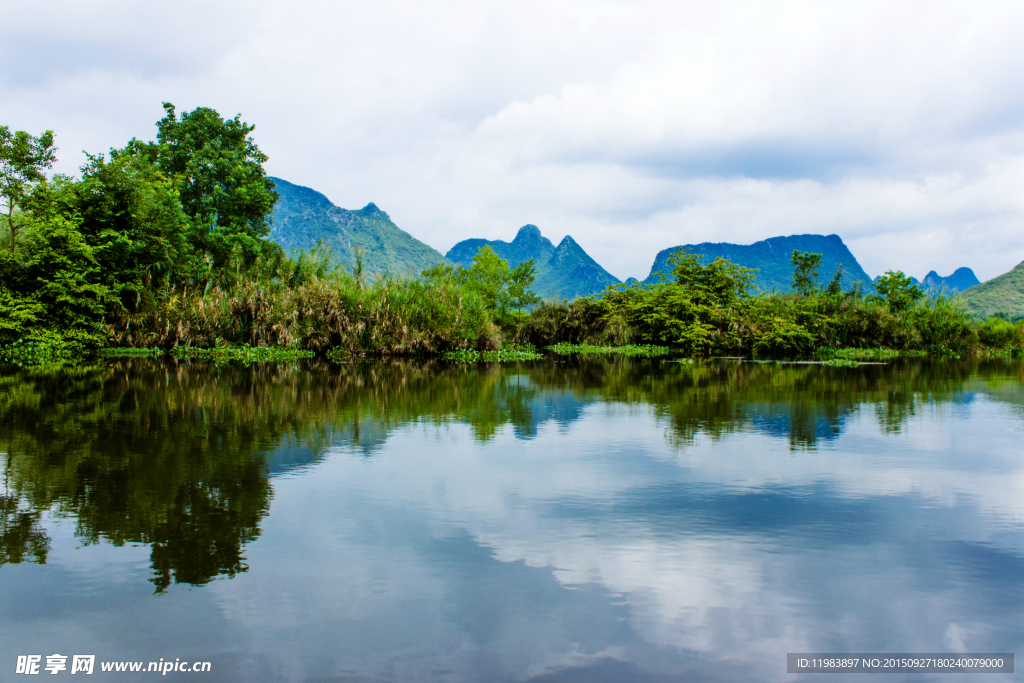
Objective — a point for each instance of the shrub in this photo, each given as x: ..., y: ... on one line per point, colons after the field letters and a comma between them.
x: 997, y: 333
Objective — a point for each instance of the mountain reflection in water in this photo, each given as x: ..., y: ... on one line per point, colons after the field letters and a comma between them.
x: 620, y: 519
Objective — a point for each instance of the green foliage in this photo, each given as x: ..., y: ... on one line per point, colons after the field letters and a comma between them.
x: 805, y: 272
x: 997, y: 333
x: 508, y: 352
x: 218, y: 171
x: 878, y: 354
x: 55, y: 285
x: 584, y: 320
x: 646, y: 350
x: 897, y: 290
x: 23, y: 159
x: 31, y: 353
x: 688, y: 313
x: 502, y: 289
x: 163, y: 245
x: 720, y: 283
x: 1002, y: 295
x: 132, y: 216
x: 834, y: 290
x: 245, y: 354
x: 122, y: 352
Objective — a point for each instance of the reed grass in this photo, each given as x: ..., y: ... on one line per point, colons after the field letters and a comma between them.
x: 339, y: 312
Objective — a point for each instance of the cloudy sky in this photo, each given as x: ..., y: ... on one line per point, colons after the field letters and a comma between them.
x: 633, y: 126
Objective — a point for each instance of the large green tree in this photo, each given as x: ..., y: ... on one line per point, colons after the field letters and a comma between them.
x: 218, y: 171
x: 23, y: 161
x: 501, y: 288
x: 131, y: 213
x: 805, y: 271
x: 897, y: 290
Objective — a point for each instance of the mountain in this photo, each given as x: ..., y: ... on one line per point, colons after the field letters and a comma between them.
x: 961, y: 279
x: 302, y: 216
x: 1003, y: 294
x: 563, y: 272
x: 772, y: 259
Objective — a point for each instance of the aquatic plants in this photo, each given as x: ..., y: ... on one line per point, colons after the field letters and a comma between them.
x: 565, y: 349
x: 508, y: 352
x: 31, y: 353
x: 244, y: 353
x: 129, y: 352
x: 841, y: 363
x: 878, y: 354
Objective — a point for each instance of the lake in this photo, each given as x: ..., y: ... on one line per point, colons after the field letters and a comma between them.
x: 583, y: 520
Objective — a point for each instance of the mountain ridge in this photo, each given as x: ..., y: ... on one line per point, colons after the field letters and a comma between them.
x: 564, y: 271
x: 771, y: 257
x: 302, y: 216
x: 1002, y: 294
x: 960, y: 280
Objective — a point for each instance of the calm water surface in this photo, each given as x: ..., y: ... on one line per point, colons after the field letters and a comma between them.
x: 628, y: 520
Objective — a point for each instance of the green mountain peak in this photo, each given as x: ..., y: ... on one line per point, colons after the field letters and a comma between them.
x: 302, y: 216
x: 563, y: 272
x: 771, y: 258
x: 1002, y: 294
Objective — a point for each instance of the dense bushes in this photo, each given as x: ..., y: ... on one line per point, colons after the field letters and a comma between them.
x: 998, y: 333
x: 314, y: 310
x: 708, y: 309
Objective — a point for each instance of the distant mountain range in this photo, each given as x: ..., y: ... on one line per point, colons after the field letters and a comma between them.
x: 1002, y: 294
x: 302, y: 216
x: 563, y: 272
x: 771, y: 258
x: 961, y: 279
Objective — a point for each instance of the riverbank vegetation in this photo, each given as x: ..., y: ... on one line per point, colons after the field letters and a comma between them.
x: 165, y: 245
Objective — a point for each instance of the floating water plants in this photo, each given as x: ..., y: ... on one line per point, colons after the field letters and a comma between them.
x: 508, y: 352
x: 30, y: 353
x: 246, y: 354
x: 565, y: 349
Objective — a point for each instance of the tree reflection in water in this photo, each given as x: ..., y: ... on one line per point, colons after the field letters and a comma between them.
x: 179, y: 455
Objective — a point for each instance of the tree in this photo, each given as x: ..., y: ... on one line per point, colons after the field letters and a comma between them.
x: 218, y: 171
x: 805, y: 271
x: 897, y: 290
x: 719, y: 283
x: 835, y: 285
x: 23, y: 158
x: 519, y: 281
x: 131, y: 213
x: 501, y: 288
x: 488, y: 276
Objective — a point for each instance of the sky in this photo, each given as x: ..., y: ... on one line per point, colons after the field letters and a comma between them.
x: 632, y: 126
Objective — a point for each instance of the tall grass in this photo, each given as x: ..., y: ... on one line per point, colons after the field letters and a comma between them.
x: 335, y: 310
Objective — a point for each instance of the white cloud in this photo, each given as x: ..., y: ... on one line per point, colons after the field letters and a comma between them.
x: 632, y: 126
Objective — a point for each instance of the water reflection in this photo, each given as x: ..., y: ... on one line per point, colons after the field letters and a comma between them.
x: 614, y: 520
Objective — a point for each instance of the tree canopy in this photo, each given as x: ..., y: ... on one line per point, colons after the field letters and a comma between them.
x: 23, y: 161
x: 503, y: 289
x: 805, y: 271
